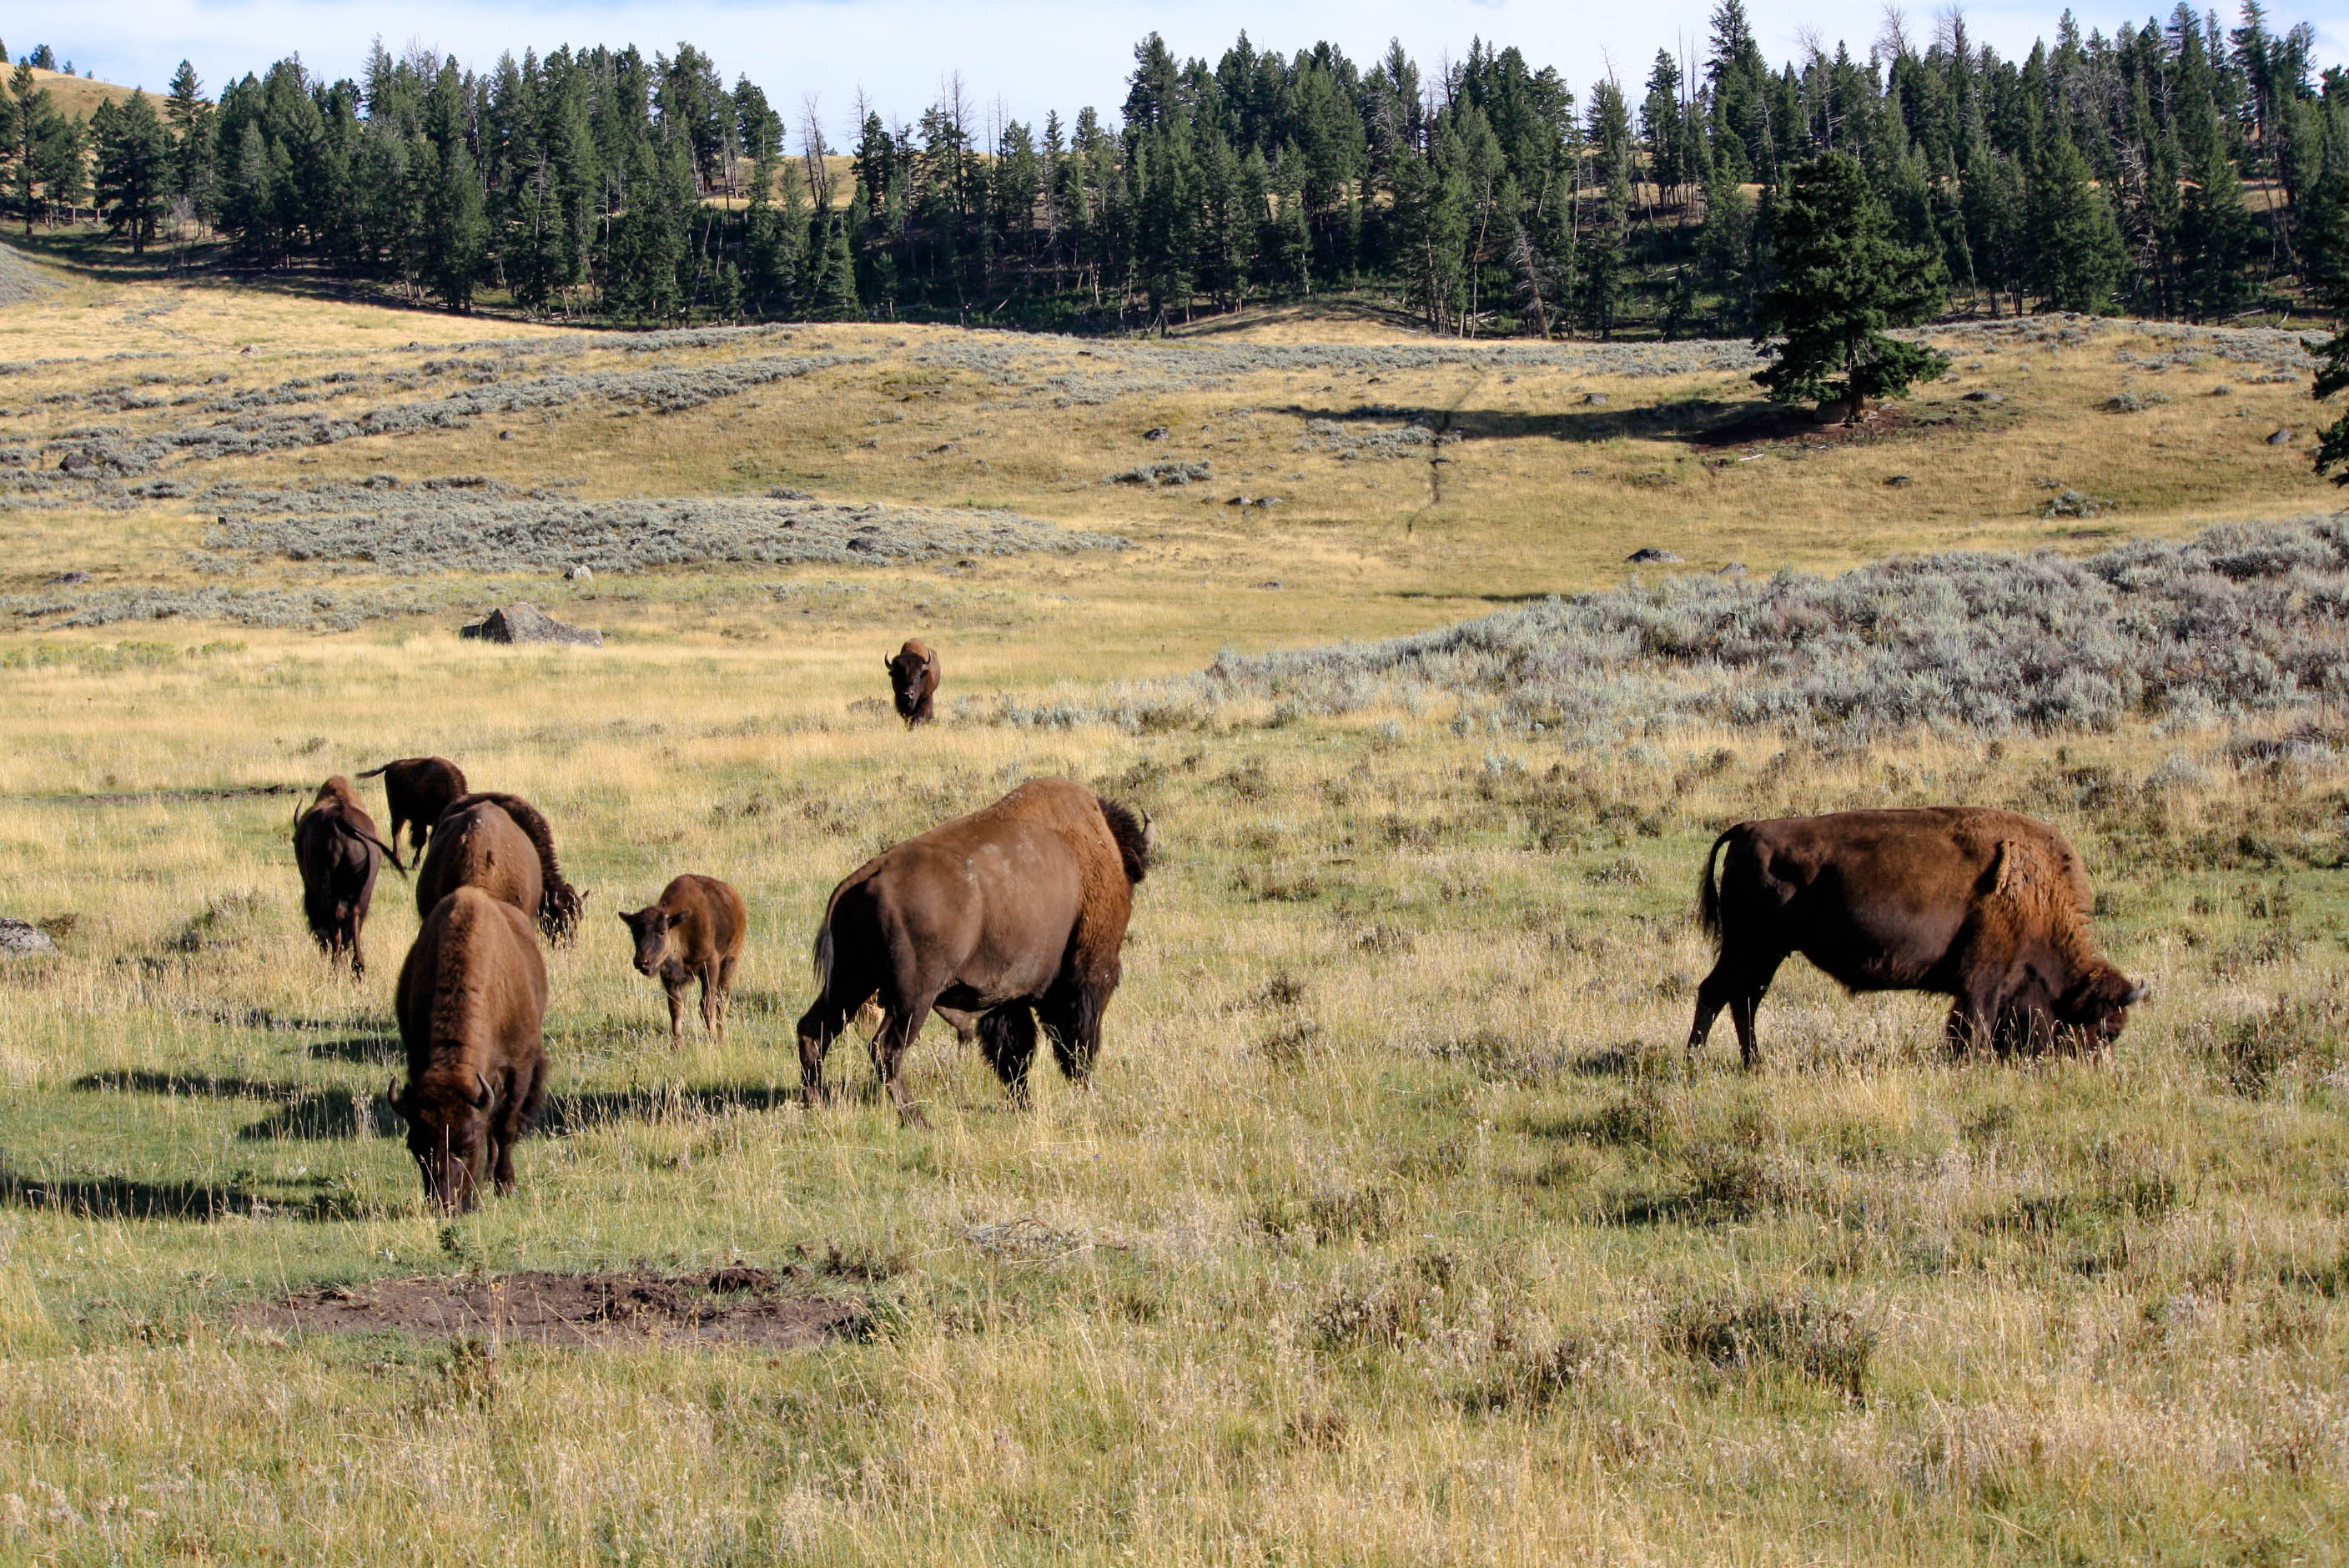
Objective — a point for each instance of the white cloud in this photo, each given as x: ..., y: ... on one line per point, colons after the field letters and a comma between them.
x: 1025, y: 58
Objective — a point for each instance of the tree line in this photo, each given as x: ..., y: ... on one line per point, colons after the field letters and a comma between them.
x: 2179, y: 168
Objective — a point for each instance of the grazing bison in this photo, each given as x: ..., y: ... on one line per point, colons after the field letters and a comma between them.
x: 479, y: 853
x: 914, y: 681
x: 693, y: 932
x: 340, y: 856
x: 472, y: 1001
x: 417, y: 790
x: 1989, y: 908
x: 1011, y: 914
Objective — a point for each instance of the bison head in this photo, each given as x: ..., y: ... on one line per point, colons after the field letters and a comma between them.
x: 2094, y: 1010
x: 449, y: 1133
x: 650, y: 927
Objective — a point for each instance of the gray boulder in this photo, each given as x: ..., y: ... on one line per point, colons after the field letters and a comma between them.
x: 23, y: 939
x: 526, y: 623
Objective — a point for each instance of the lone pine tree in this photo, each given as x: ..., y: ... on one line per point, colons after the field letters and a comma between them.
x: 1841, y: 281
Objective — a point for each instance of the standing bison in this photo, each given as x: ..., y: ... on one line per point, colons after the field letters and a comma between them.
x: 501, y: 844
x: 340, y: 856
x: 914, y: 681
x: 417, y: 790
x: 472, y: 1005
x: 694, y: 931
x: 1015, y: 912
x: 1989, y: 908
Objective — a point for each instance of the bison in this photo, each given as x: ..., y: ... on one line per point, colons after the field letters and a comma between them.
x: 1013, y: 914
x: 914, y: 681
x: 1989, y: 908
x: 503, y: 843
x: 417, y: 790
x: 471, y: 1004
x: 340, y: 856
x: 694, y: 931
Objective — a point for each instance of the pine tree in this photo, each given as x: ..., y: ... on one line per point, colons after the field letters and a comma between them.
x: 193, y: 148
x: 2071, y: 248
x: 133, y: 169
x: 1842, y: 280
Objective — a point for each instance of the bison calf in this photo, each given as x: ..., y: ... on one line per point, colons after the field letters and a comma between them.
x: 1013, y: 914
x: 914, y: 681
x: 694, y: 931
x: 340, y: 856
x: 417, y: 790
x: 472, y: 1005
x: 1989, y: 908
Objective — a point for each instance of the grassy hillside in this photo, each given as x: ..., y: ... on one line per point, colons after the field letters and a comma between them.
x: 1397, y: 1229
x: 80, y: 95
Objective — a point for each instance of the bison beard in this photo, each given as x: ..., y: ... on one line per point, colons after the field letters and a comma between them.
x: 1988, y: 908
x: 1014, y: 914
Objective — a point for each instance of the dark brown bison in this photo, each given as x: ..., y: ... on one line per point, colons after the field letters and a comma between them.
x: 1989, y: 908
x: 694, y: 931
x: 471, y: 1002
x: 914, y: 681
x: 335, y: 846
x: 1014, y: 913
x: 471, y: 846
x: 417, y: 790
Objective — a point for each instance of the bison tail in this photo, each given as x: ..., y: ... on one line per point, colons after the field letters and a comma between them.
x: 1708, y: 890
x: 372, y: 771
x: 822, y: 956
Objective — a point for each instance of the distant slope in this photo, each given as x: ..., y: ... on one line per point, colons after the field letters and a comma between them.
x: 79, y: 94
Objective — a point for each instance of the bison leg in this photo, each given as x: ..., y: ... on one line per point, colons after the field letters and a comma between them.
x: 1007, y: 1038
x: 904, y: 1020
x: 1739, y: 987
x: 1073, y: 1020
x: 819, y: 1026
x: 676, y: 989
x: 725, y: 993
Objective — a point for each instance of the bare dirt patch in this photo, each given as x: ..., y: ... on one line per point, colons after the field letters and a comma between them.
x: 738, y: 1305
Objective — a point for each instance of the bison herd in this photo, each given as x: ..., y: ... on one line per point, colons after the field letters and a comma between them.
x: 1013, y: 917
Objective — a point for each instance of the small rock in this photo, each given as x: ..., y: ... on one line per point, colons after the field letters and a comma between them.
x: 579, y: 574
x: 1274, y: 584
x: 1594, y: 399
x: 1263, y: 501
x: 505, y: 435
x: 68, y: 579
x: 1981, y: 397
x: 1648, y: 554
x: 784, y: 492
x: 2222, y: 390
x: 1237, y: 500
x: 1735, y: 569
x: 23, y: 939
x: 1157, y: 433
x: 2280, y: 439
x: 1900, y: 481
x: 526, y: 623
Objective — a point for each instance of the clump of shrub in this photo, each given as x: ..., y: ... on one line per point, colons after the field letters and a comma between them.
x: 1156, y: 475
x: 2245, y: 619
x: 1760, y: 1334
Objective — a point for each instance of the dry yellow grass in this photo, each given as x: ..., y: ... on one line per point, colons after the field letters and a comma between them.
x: 1396, y: 1230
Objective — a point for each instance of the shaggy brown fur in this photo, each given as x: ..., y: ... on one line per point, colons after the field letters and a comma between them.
x: 336, y: 848
x: 914, y: 681
x: 1014, y: 913
x: 417, y: 790
x: 694, y: 931
x: 1989, y: 908
x: 478, y: 844
x: 471, y: 1003
x: 559, y: 903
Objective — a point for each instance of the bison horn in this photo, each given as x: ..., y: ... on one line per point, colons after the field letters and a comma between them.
x: 399, y: 1097
x: 482, y: 1100
x: 2135, y: 994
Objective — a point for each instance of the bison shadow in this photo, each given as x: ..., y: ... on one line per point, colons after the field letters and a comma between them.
x: 358, y: 1048
x: 125, y: 1198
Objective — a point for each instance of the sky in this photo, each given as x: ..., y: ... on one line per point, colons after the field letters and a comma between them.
x: 1016, y: 60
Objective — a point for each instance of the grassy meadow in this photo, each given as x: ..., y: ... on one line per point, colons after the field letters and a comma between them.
x: 1397, y: 1229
